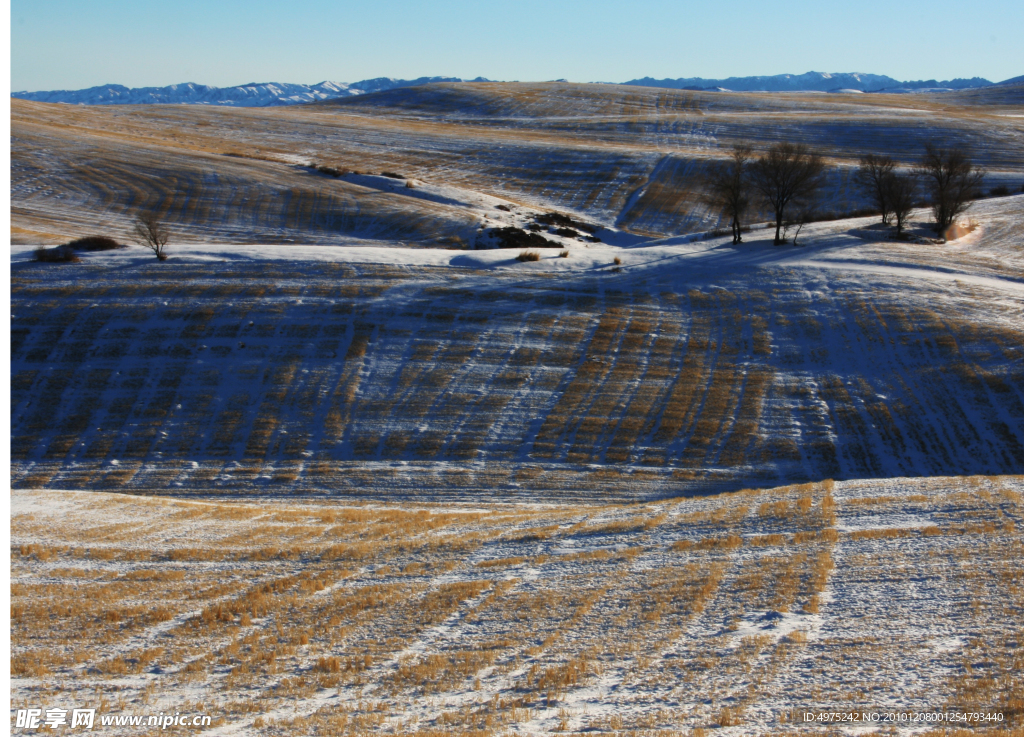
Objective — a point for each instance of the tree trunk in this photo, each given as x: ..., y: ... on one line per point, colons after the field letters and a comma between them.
x: 778, y: 229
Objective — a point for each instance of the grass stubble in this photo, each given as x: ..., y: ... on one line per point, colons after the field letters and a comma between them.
x: 669, y: 617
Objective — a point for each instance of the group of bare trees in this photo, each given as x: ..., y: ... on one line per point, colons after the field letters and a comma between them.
x: 891, y: 191
x: 786, y: 179
x: 951, y: 180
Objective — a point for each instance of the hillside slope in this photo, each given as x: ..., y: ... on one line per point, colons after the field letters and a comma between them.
x: 693, y: 367
x: 630, y: 158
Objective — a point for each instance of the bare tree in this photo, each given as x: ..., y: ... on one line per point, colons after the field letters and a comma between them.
x: 801, y: 219
x: 728, y: 188
x: 952, y: 181
x: 900, y: 194
x: 787, y: 174
x: 151, y: 233
x: 872, y: 176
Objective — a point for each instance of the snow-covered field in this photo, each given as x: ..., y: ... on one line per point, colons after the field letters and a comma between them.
x: 385, y: 482
x: 689, y: 366
x: 736, y: 613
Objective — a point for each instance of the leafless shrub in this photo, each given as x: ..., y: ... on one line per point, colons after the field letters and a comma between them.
x: 94, y: 243
x: 58, y: 255
x: 151, y: 233
x: 564, y: 254
x: 559, y: 220
x: 512, y: 237
x: 528, y: 256
x: 332, y: 171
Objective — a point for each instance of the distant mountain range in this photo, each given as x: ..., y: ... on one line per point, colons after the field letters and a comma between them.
x: 274, y: 93
x: 811, y: 82
x: 268, y: 94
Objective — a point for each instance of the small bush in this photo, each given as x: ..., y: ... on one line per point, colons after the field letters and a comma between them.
x: 330, y: 170
x: 94, y: 243
x: 528, y: 256
x: 391, y: 175
x: 564, y: 254
x: 618, y: 261
x: 512, y: 237
x: 58, y: 255
x: 563, y: 221
x: 410, y: 184
x: 506, y: 208
x: 1000, y: 191
x: 717, y: 233
x: 566, y: 232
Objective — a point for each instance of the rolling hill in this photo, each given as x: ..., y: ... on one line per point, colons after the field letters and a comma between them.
x: 340, y: 467
x: 627, y: 158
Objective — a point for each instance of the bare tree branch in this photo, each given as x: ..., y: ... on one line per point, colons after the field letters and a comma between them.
x: 151, y: 233
x: 900, y: 194
x: 872, y: 176
x: 785, y: 174
x: 952, y: 180
x: 728, y: 188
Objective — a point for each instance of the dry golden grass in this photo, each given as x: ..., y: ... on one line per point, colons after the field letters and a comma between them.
x: 353, y: 617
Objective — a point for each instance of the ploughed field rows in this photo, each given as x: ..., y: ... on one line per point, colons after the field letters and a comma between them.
x: 736, y: 612
x: 71, y: 183
x: 273, y: 378
x: 843, y: 126
x: 630, y: 157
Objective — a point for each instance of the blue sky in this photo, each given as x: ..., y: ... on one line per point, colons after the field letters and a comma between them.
x: 70, y: 44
